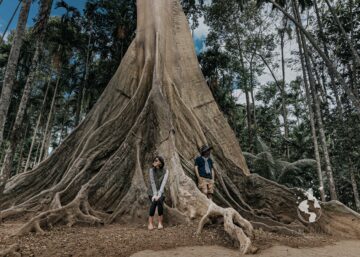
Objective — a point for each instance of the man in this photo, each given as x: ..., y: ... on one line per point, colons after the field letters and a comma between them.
x: 204, y: 171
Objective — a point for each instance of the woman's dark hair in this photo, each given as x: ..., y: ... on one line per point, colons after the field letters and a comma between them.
x: 162, y: 161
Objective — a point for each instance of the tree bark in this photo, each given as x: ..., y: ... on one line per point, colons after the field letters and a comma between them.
x: 10, y: 74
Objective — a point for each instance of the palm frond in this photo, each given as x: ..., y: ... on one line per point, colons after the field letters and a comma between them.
x: 261, y: 146
x: 249, y: 156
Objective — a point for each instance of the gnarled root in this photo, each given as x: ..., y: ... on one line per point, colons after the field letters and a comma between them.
x: 236, y: 226
x: 11, y: 212
x: 13, y: 250
x: 77, y: 211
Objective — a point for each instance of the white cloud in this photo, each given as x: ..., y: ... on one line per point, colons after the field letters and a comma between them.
x: 202, y: 30
x: 6, y: 36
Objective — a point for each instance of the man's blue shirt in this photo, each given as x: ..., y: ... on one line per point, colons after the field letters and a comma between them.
x: 200, y: 162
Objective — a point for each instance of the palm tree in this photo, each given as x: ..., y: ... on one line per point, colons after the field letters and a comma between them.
x: 288, y: 173
x: 10, y: 74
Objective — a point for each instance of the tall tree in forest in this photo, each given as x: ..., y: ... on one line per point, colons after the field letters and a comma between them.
x: 316, y: 104
x: 284, y: 31
x: 344, y: 34
x: 311, y: 118
x: 330, y: 64
x: 47, y: 131
x: 10, y: 74
x: 40, y: 115
x: 242, y: 32
x: 40, y: 31
x: 326, y: 51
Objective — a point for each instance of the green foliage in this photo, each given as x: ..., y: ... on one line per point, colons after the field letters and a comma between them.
x: 291, y: 174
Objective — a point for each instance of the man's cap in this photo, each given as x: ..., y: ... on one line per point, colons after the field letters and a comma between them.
x: 205, y: 148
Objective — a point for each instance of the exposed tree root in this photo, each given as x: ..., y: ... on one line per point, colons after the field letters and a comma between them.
x: 78, y: 211
x: 13, y: 250
x: 11, y: 212
x: 236, y: 226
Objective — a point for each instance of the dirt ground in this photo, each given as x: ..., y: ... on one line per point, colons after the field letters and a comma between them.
x: 120, y: 240
x: 342, y: 248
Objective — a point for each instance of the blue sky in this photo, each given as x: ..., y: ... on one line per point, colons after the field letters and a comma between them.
x: 8, y: 7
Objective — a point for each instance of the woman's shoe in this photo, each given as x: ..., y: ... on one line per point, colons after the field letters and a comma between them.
x: 150, y: 226
x: 160, y: 226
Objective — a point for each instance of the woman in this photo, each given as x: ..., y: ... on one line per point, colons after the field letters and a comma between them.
x: 158, y: 176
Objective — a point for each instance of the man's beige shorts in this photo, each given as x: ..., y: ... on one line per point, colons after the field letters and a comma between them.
x: 206, y: 185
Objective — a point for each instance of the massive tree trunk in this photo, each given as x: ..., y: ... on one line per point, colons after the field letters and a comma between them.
x: 158, y: 103
x: 10, y: 74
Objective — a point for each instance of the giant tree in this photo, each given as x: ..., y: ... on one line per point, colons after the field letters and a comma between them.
x: 158, y: 103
